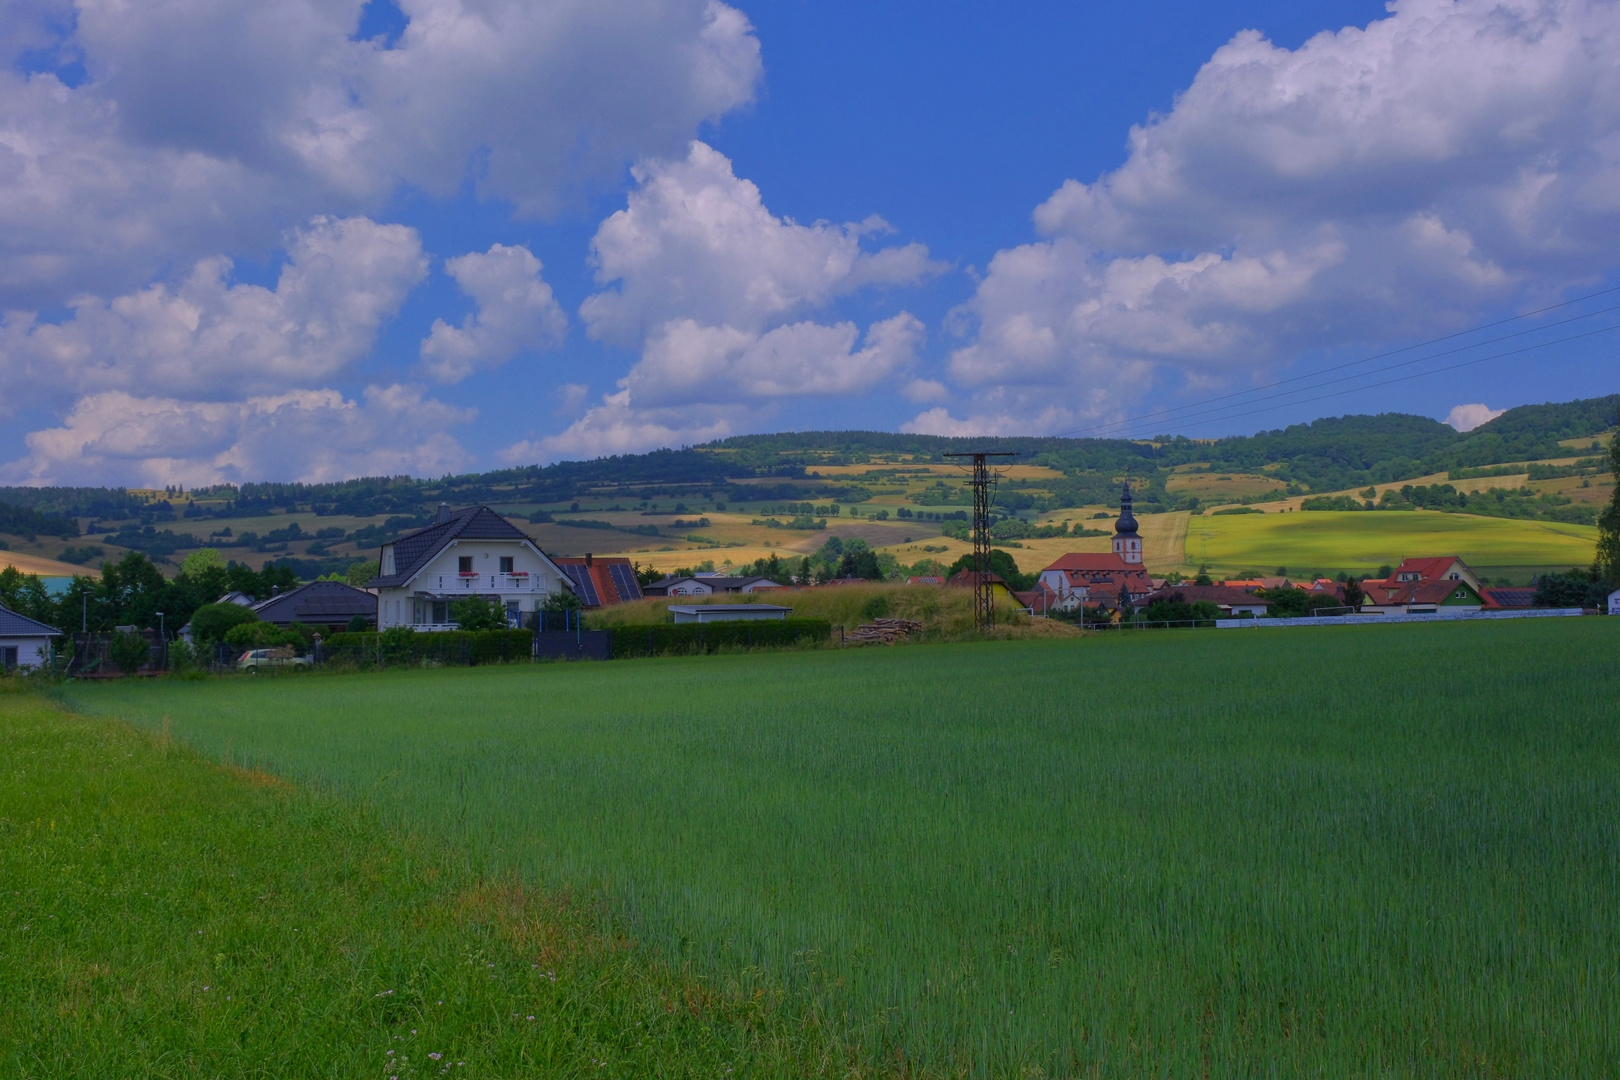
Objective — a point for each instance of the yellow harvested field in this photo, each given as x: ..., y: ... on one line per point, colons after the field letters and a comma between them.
x: 1211, y: 486
x: 35, y: 564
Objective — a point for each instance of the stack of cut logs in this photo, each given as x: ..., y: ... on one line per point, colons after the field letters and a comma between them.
x: 883, y: 631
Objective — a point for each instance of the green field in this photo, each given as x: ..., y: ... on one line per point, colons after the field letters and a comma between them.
x: 1351, y: 851
x: 166, y: 917
x: 1362, y: 541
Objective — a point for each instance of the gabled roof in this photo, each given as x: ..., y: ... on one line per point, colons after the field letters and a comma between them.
x: 317, y: 602
x: 1093, y: 561
x: 1427, y: 569
x: 15, y: 625
x: 1223, y: 595
x: 1512, y: 597
x: 1417, y: 592
x: 416, y: 549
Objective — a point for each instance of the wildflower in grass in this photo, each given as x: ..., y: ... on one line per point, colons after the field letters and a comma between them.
x: 435, y: 1056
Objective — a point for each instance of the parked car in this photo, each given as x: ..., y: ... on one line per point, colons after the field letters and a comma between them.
x: 255, y: 660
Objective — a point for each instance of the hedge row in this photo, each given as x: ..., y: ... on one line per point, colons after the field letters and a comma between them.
x: 661, y: 638
x: 445, y: 647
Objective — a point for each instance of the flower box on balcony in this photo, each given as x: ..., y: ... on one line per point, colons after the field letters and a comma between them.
x: 467, y: 573
x: 518, y: 573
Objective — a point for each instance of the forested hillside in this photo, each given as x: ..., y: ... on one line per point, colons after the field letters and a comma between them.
x: 1332, y: 454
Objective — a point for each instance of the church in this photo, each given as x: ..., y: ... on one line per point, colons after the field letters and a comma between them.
x: 1109, y: 580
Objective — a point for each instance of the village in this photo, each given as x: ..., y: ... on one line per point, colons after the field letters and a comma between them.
x: 427, y: 576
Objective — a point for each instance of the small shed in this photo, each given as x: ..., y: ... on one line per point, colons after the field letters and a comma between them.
x: 24, y: 642
x: 705, y: 613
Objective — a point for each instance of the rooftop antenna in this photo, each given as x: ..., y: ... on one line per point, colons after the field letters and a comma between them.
x: 984, y: 601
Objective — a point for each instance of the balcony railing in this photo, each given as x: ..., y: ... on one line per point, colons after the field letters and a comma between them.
x: 485, y: 582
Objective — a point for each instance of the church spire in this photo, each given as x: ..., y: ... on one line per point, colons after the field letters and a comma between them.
x: 1127, y: 544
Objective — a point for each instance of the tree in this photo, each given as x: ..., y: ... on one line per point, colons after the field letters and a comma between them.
x: 1353, y: 596
x: 201, y: 560
x: 129, y: 651
x: 362, y: 572
x: 211, y: 622
x: 1002, y: 565
x: 1572, y: 588
x: 26, y: 595
x: 477, y: 613
x: 1607, y: 563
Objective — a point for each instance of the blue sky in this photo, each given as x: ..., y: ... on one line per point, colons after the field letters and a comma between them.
x: 251, y: 241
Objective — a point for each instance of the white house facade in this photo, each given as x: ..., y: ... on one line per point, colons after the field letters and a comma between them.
x: 1614, y: 602
x: 24, y: 642
x: 472, y: 552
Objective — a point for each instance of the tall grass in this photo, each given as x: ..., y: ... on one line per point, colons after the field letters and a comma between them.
x: 1346, y: 851
x: 946, y: 613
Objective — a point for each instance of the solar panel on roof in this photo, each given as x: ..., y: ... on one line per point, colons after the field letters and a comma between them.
x: 584, y: 586
x: 624, y: 579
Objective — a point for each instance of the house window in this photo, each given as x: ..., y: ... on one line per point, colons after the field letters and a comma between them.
x: 513, y: 619
x: 465, y: 562
x: 441, y: 611
x: 506, y: 564
x: 8, y: 658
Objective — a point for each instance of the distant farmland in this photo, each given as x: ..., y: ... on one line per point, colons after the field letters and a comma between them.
x: 1347, y: 851
x: 1363, y: 540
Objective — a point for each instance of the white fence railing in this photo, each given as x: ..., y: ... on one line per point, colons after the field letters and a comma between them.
x: 1369, y: 620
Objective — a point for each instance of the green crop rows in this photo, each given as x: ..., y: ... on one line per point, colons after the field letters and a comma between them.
x: 1347, y: 851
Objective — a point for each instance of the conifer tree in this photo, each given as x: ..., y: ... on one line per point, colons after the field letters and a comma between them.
x: 1607, y: 563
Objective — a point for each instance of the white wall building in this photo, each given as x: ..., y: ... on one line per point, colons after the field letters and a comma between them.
x: 24, y: 642
x: 1614, y: 602
x: 472, y: 552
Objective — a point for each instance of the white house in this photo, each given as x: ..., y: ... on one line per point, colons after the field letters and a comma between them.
x: 709, y: 585
x: 472, y: 552
x: 1614, y: 602
x: 24, y: 642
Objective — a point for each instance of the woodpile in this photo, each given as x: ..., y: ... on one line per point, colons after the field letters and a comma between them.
x: 883, y: 632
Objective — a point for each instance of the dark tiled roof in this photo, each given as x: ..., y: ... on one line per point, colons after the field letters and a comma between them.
x: 1223, y: 595
x: 318, y: 602
x: 15, y: 625
x: 1513, y: 598
x: 415, y: 549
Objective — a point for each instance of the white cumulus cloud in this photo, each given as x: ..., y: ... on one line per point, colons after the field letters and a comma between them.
x: 1469, y: 417
x: 697, y: 242
x: 208, y: 336
x: 715, y: 290
x: 516, y: 313
x: 1372, y: 185
x: 305, y: 435
x: 209, y: 125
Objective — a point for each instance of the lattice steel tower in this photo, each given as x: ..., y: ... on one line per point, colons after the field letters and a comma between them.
x: 984, y: 600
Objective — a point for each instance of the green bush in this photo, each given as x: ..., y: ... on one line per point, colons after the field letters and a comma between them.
x: 263, y: 635
x: 129, y: 652
x: 662, y: 638
x: 211, y: 622
x: 402, y: 646
x: 475, y: 613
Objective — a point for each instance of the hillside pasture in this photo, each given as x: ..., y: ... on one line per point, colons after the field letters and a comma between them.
x: 38, y: 564
x: 1361, y: 541
x: 945, y: 612
x: 1060, y: 858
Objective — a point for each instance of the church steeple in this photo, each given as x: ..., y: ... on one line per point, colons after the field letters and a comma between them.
x: 1127, y: 544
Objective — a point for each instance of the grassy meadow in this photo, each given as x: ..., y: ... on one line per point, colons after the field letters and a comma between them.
x: 170, y: 917
x: 1370, y: 851
x: 1359, y: 541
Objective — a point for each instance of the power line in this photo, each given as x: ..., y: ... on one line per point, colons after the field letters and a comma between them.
x: 1387, y: 367
x: 1409, y: 378
x: 1163, y: 413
